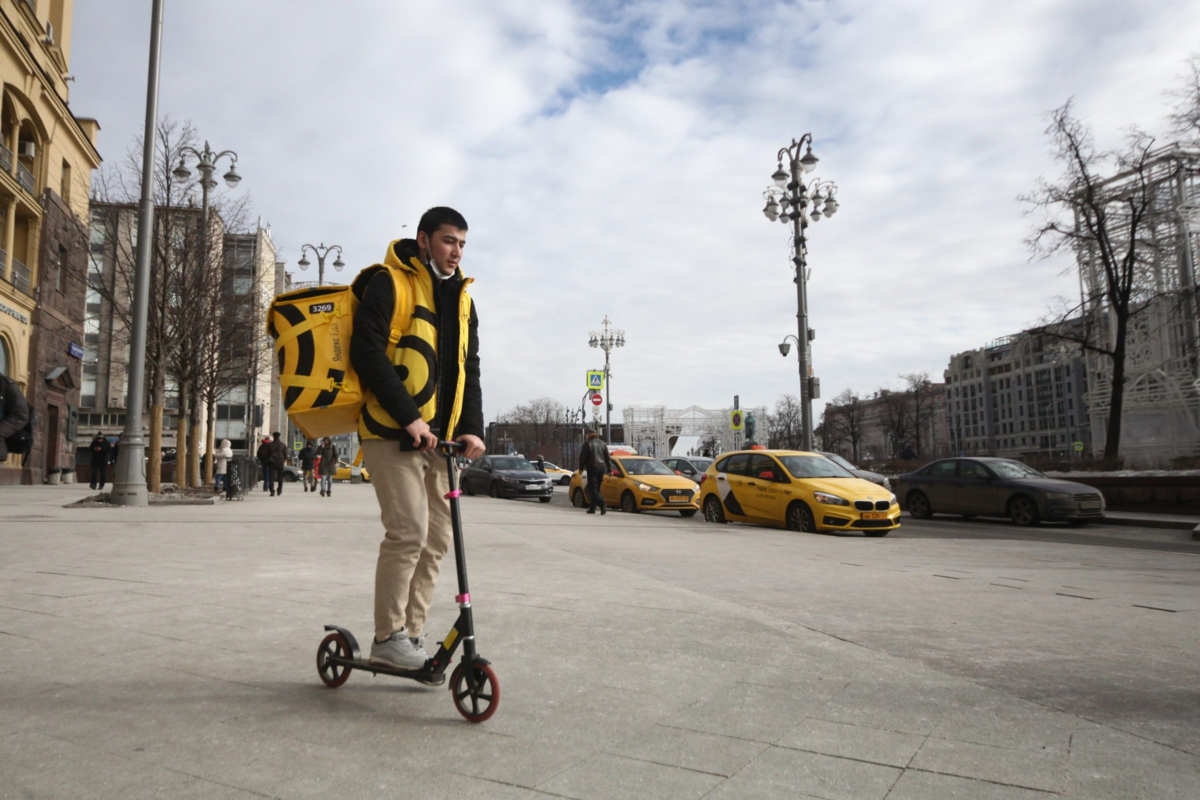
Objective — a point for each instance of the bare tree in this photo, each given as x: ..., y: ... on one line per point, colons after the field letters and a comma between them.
x: 896, y: 419
x: 920, y: 389
x: 785, y: 424
x: 1101, y: 211
x: 538, y: 426
x: 845, y: 419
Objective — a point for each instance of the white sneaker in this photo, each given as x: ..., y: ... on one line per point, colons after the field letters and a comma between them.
x: 418, y: 643
x: 397, y: 651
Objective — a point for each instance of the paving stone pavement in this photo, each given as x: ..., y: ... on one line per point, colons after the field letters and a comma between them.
x: 169, y: 652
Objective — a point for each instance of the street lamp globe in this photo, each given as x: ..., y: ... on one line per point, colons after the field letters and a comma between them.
x: 303, y: 263
x: 772, y: 210
x: 232, y: 179
x: 182, y: 172
x: 339, y: 264
x: 831, y: 206
x: 780, y: 177
x: 809, y: 162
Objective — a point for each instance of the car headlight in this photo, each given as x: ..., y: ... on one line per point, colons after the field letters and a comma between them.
x: 887, y: 484
x: 894, y: 500
x: 513, y: 481
x: 1058, y: 495
x: 645, y: 488
x: 830, y: 499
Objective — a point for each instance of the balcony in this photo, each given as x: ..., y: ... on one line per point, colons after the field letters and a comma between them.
x: 21, y: 277
x: 5, y: 158
x: 25, y: 178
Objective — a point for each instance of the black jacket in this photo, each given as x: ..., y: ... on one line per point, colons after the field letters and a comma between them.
x: 14, y: 412
x: 594, y: 455
x: 101, y: 451
x: 368, y: 354
x: 307, y: 454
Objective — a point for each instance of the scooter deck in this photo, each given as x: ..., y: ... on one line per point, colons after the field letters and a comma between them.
x: 425, y: 676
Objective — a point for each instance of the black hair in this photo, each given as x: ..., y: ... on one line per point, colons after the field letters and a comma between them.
x: 275, y: 434
x: 438, y: 216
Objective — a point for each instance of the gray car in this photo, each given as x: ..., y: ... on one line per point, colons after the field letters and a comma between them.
x: 865, y: 474
x: 506, y: 476
x: 691, y: 467
x: 997, y: 487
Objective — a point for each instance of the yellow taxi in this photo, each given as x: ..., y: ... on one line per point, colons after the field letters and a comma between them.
x: 794, y: 489
x: 640, y: 483
x: 348, y: 472
x: 557, y: 474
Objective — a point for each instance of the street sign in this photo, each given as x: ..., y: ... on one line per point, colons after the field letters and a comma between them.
x: 595, y: 380
x: 597, y: 399
x: 736, y: 420
x: 1079, y: 447
x: 296, y: 446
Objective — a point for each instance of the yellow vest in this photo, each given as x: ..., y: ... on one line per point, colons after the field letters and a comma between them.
x: 415, y: 353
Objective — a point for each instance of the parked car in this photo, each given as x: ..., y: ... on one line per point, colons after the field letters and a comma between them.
x: 997, y: 487
x: 506, y: 476
x: 292, y: 474
x: 560, y: 476
x: 349, y: 472
x: 798, y: 490
x: 691, y: 467
x: 865, y: 474
x: 638, y: 483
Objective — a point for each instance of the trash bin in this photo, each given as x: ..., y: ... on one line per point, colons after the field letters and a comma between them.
x: 68, y: 475
x: 53, y: 476
x: 240, y: 477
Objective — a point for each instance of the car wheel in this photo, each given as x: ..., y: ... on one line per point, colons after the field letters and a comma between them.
x: 713, y: 511
x: 290, y: 477
x: 543, y: 499
x: 629, y: 503
x: 565, y: 480
x: 1023, y: 511
x: 577, y: 499
x: 918, y: 505
x: 494, y: 491
x: 800, y: 518
x: 687, y: 512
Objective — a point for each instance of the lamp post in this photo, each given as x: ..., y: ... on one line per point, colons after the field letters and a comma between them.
x: 790, y: 200
x: 207, y: 164
x: 321, y: 252
x: 607, y: 340
x: 129, y: 482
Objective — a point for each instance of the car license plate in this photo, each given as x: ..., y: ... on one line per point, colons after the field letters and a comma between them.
x: 534, y: 487
x: 677, y: 499
x: 874, y: 515
x: 1089, y: 506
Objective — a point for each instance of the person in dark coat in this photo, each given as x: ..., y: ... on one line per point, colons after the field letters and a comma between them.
x: 278, y: 450
x: 307, y: 455
x: 596, y: 462
x: 101, y: 453
x: 14, y: 412
x: 264, y: 462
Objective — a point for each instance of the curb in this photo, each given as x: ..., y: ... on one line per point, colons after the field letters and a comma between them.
x: 1151, y: 522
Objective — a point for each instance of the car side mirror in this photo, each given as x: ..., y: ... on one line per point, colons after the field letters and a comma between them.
x: 616, y: 473
x: 767, y: 475
x: 677, y: 472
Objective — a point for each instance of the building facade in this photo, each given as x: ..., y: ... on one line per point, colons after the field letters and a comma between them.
x: 1022, y: 396
x: 46, y: 159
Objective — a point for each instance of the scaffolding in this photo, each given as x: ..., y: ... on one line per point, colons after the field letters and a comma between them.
x: 1161, y: 411
x: 658, y: 431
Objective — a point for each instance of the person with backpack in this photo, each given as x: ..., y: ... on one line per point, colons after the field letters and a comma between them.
x: 595, y: 461
x: 327, y: 464
x: 421, y: 386
x: 16, y: 420
x: 307, y: 454
x: 101, y: 454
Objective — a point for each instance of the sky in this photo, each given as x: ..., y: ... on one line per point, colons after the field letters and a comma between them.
x: 610, y: 159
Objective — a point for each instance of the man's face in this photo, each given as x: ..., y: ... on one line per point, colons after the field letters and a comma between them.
x: 445, y: 247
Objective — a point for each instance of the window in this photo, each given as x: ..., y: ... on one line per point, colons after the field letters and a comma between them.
x: 5, y: 359
x: 734, y: 465
x: 760, y: 463
x: 973, y: 469
x: 941, y: 469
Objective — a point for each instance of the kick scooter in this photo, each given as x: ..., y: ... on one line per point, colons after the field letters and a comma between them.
x: 473, y: 683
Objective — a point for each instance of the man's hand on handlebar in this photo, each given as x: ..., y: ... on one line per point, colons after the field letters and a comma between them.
x: 472, y: 446
x: 422, y: 437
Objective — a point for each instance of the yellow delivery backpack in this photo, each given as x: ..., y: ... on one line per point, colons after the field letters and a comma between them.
x: 312, y: 329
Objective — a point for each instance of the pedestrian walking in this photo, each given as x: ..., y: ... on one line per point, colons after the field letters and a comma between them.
x: 307, y: 454
x: 264, y: 462
x: 278, y: 456
x: 541, y: 464
x: 16, y: 420
x: 596, y: 462
x: 327, y: 461
x: 221, y: 463
x: 412, y: 402
x: 101, y: 453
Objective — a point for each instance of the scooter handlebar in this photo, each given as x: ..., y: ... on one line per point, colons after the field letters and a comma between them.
x: 451, y: 447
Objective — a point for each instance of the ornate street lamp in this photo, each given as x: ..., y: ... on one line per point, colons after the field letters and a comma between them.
x: 788, y: 199
x: 607, y: 340
x: 207, y: 165
x: 321, y: 252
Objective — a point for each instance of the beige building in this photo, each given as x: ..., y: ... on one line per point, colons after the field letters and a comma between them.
x: 46, y: 159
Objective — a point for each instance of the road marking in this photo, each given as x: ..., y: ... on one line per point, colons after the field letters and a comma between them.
x: 1079, y: 596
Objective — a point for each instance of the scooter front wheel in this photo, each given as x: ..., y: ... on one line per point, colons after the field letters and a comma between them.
x: 333, y: 645
x: 476, y: 690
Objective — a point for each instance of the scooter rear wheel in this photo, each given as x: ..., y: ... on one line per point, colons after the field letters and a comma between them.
x: 334, y: 675
x: 475, y: 690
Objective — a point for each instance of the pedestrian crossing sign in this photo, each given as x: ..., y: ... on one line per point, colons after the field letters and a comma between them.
x: 595, y: 380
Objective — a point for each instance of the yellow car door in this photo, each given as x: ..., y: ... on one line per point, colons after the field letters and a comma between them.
x: 763, y: 493
x: 612, y: 484
x: 731, y: 485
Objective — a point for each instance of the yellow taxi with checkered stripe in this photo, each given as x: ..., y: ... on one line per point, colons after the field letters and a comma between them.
x: 797, y: 490
x: 640, y: 483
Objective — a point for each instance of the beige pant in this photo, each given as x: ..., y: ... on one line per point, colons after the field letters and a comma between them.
x: 411, y: 488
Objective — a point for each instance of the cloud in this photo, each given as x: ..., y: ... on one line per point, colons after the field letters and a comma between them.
x: 611, y: 158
